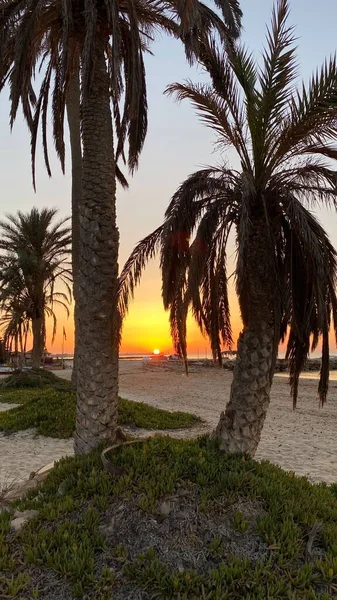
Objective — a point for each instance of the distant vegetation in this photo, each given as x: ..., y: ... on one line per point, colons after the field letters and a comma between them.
x: 34, y: 259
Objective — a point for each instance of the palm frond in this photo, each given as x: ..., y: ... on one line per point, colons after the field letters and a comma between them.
x: 211, y: 108
x: 311, y: 120
x: 132, y: 271
x: 276, y: 79
x: 227, y: 69
x: 39, y: 33
x: 311, y: 269
x: 178, y: 315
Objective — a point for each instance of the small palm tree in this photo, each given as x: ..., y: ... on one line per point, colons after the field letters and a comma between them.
x: 14, y: 321
x: 286, y: 269
x: 34, y: 258
x: 106, y: 40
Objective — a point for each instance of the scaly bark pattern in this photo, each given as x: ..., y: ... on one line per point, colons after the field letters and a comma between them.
x: 37, y: 352
x: 74, y: 123
x: 240, y: 426
x: 97, y: 340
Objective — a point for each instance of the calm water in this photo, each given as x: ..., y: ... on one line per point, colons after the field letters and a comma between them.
x: 310, y: 375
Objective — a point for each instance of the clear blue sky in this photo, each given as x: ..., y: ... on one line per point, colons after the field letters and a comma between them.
x: 176, y: 144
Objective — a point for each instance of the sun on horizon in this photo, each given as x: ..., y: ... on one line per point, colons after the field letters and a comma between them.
x: 156, y: 351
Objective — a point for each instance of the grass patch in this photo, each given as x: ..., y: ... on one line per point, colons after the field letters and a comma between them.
x: 93, y: 530
x: 33, y: 379
x: 53, y: 411
x: 148, y: 417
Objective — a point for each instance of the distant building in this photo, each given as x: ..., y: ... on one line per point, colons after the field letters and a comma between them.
x: 26, y: 358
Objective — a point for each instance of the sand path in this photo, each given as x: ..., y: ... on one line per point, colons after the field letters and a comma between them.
x: 303, y: 441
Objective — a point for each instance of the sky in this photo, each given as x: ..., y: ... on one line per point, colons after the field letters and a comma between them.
x: 176, y: 145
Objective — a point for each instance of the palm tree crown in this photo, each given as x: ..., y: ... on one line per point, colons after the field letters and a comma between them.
x: 34, y: 257
x: 59, y: 39
x: 286, y: 266
x: 14, y: 320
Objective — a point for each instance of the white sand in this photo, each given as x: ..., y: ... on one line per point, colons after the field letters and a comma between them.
x: 24, y: 452
x: 303, y: 441
x: 7, y: 406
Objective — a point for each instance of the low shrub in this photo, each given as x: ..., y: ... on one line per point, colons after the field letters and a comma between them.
x: 33, y: 379
x: 236, y: 529
x: 52, y: 412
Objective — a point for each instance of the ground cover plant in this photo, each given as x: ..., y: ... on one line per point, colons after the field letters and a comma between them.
x: 37, y: 378
x: 52, y: 412
x: 180, y: 521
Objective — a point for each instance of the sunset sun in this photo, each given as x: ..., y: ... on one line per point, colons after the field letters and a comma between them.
x: 156, y: 351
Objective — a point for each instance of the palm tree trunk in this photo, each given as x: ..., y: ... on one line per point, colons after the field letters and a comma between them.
x: 16, y: 350
x: 97, y: 340
x: 21, y: 356
x: 240, y: 426
x: 37, y: 352
x: 74, y: 123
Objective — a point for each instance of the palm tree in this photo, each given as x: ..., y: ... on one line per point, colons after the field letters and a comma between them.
x: 33, y: 259
x: 108, y: 40
x: 14, y: 320
x: 286, y: 269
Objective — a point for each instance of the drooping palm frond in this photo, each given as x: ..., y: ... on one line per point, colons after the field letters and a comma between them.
x: 188, y: 268
x: 310, y: 271
x: 286, y: 266
x: 59, y: 37
x: 134, y: 267
x: 190, y: 14
x: 212, y: 109
x: 229, y: 71
x: 207, y: 277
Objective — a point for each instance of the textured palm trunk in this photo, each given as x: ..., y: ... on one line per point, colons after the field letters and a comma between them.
x: 37, y: 352
x: 97, y: 339
x: 74, y: 123
x: 21, y: 353
x: 240, y: 426
x: 16, y: 350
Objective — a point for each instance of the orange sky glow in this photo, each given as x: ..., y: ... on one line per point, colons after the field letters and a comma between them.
x: 145, y: 328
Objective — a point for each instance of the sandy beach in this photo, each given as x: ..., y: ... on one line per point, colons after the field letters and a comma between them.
x: 303, y: 441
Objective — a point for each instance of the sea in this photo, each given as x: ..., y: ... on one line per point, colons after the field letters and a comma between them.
x: 68, y: 359
x: 139, y: 356
x: 310, y: 375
